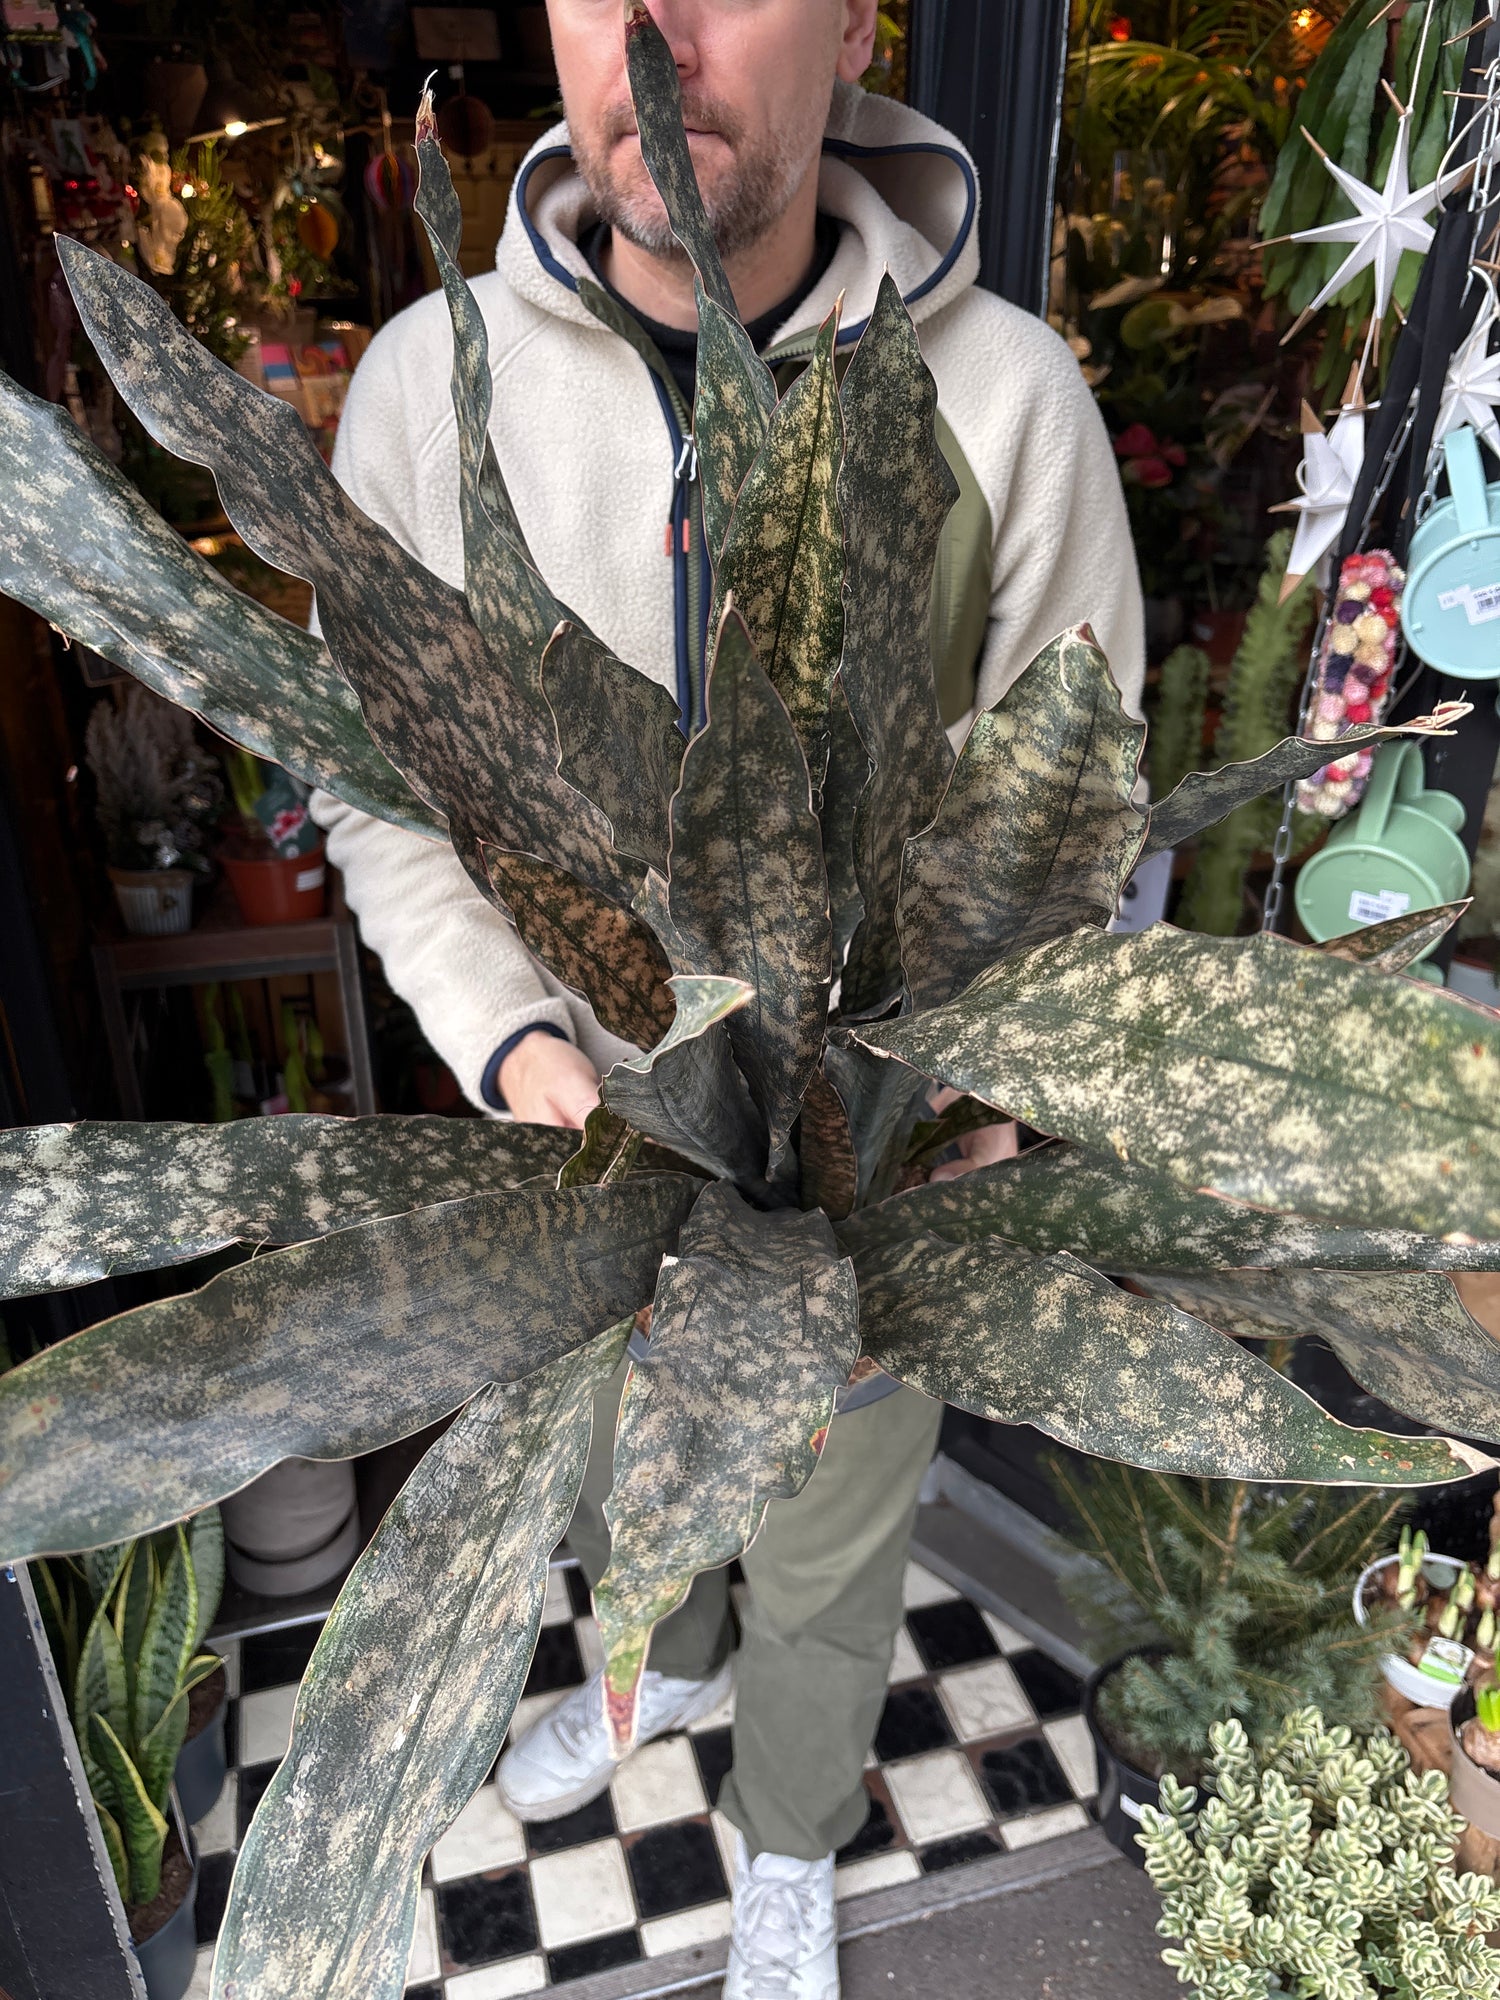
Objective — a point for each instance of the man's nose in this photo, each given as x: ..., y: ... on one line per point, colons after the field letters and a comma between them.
x: 678, y: 21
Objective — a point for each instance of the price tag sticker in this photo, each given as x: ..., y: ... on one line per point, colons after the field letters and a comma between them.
x: 1377, y: 906
x: 311, y: 878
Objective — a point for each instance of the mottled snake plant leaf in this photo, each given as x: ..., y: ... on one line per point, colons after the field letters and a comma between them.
x: 405, y: 1703
x: 1398, y: 942
x: 894, y: 494
x: 656, y: 93
x: 1403, y: 1335
x: 843, y: 787
x: 754, y: 1331
x: 746, y: 894
x: 731, y: 409
x: 618, y: 739
x: 1048, y: 1341
x: 96, y: 1199
x: 510, y: 603
x: 878, y: 1099
x: 81, y: 547
x: 1036, y: 833
x: 320, y: 1351
x: 782, y: 563
x: 1205, y: 797
x: 686, y: 1092
x: 825, y: 1151
x: 468, y: 740
x: 1222, y: 1062
x: 594, y: 946
x: 1123, y: 1218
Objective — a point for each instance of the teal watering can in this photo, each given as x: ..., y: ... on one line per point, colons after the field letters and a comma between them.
x: 1399, y: 850
x: 1450, y: 610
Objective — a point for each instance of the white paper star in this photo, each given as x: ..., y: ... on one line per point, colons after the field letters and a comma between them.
x: 1390, y: 219
x: 1330, y: 466
x: 1471, y: 393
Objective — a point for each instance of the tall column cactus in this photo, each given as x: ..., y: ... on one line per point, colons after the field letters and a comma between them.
x: 703, y: 900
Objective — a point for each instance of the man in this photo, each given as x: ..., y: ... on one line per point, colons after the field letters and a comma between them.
x: 814, y: 190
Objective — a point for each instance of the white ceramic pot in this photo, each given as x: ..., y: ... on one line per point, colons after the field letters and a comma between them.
x: 293, y: 1529
x: 1402, y: 1675
x: 154, y: 902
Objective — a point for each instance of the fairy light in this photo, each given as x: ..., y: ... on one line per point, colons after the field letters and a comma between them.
x: 1302, y: 19
x: 236, y: 129
x: 188, y: 191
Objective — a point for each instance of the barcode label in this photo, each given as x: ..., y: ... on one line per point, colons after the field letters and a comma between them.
x: 1375, y: 906
x: 1478, y: 606
x: 311, y: 878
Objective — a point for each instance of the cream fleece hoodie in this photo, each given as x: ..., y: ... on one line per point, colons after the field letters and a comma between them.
x: 585, y: 445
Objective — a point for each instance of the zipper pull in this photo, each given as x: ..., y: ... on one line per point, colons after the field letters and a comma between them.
x: 687, y: 461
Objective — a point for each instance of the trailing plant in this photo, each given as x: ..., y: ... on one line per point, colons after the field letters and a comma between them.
x: 1264, y: 677
x: 126, y: 1623
x: 1318, y: 1863
x: 737, y: 1176
x: 1241, y: 1594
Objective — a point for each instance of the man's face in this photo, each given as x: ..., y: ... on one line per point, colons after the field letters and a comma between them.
x: 757, y: 77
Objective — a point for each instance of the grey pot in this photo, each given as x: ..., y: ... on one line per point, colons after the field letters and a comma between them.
x: 168, y: 1957
x: 203, y: 1765
x: 293, y: 1529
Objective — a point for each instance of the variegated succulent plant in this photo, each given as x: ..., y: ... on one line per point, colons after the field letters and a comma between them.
x: 803, y: 917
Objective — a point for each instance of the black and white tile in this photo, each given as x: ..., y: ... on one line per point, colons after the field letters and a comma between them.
x: 981, y: 1749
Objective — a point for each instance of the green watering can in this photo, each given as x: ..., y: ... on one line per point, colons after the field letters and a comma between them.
x: 1399, y: 850
x: 1450, y: 609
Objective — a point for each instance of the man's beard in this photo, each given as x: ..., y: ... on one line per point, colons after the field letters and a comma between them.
x: 752, y: 197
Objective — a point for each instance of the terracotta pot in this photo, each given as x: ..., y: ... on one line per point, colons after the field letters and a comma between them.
x: 1473, y: 1791
x: 154, y: 902
x: 1123, y: 1789
x: 286, y: 889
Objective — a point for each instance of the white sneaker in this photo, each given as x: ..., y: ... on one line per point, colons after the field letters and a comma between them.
x: 785, y: 1941
x: 565, y: 1761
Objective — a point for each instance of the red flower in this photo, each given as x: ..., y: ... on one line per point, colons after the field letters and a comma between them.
x: 1135, y: 442
x: 1119, y: 28
x: 1174, y: 454
x: 1147, y: 470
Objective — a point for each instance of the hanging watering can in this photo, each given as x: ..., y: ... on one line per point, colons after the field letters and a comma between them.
x: 1399, y: 851
x: 1450, y: 611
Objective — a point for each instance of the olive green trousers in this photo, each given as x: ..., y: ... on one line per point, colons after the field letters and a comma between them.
x: 816, y: 1630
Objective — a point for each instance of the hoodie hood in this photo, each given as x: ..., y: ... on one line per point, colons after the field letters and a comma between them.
x: 904, y: 190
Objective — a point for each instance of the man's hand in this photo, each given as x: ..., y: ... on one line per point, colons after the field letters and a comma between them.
x: 980, y: 1148
x: 546, y: 1081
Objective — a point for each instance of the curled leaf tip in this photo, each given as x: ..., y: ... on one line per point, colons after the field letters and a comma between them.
x: 621, y: 1713
x: 426, y: 113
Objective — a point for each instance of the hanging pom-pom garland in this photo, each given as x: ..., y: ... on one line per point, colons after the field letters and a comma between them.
x: 1353, y: 675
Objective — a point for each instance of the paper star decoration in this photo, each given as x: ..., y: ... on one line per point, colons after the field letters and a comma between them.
x: 1330, y: 466
x: 1471, y: 393
x: 1390, y: 220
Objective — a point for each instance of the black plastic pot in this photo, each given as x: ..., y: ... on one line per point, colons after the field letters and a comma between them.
x: 1123, y: 1790
x: 203, y: 1764
x: 168, y: 1957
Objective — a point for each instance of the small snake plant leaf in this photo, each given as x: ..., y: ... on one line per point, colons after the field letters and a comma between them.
x: 1035, y: 834
x: 619, y: 739
x: 462, y: 733
x: 1123, y: 1218
x: 206, y: 1554
x: 140, y: 1581
x: 894, y: 494
x: 1223, y: 1062
x: 843, y: 787
x: 157, y: 1752
x: 606, y: 1151
x: 878, y: 1099
x: 405, y: 1703
x: 656, y: 94
x: 1403, y: 1335
x: 142, y: 1827
x: 596, y: 947
x: 511, y: 604
x: 321, y: 1351
x: 87, y: 1201
x: 746, y: 895
x: 1205, y: 797
x: 1399, y: 942
x: 101, y: 1686
x: 166, y: 1645
x: 825, y: 1151
x: 1048, y: 1341
x: 754, y: 1331
x: 733, y: 405
x: 782, y: 563
x: 686, y: 1092
x: 81, y: 547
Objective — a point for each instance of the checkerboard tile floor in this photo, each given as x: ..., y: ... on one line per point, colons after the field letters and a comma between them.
x: 981, y: 1749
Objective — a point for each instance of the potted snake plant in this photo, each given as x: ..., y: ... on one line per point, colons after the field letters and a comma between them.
x: 126, y: 1625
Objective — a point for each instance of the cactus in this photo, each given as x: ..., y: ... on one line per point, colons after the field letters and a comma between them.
x: 1176, y: 739
x: 1318, y: 1863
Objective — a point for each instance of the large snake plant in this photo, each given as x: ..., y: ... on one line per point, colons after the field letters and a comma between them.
x: 803, y: 917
